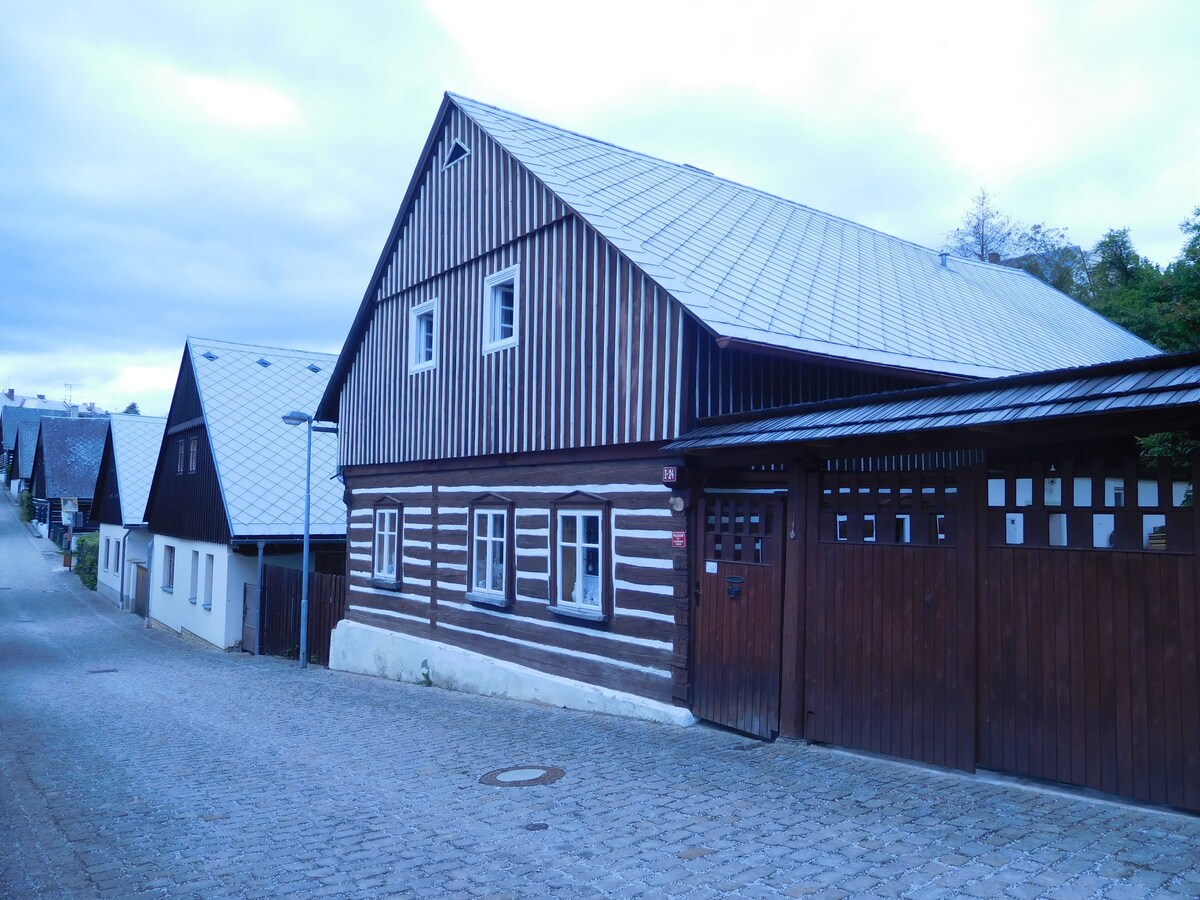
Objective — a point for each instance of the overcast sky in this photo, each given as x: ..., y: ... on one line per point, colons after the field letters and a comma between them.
x: 231, y: 170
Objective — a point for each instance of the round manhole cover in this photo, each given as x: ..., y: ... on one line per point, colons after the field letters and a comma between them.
x: 523, y: 776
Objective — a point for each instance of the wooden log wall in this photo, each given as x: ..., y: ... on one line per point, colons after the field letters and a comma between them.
x: 642, y: 649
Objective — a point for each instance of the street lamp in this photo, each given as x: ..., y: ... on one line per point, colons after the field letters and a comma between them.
x: 296, y: 417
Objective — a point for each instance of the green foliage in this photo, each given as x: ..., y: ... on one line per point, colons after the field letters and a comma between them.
x: 132, y: 410
x: 26, y: 506
x: 1160, y: 305
x: 87, y: 555
x: 1167, y: 447
x: 1038, y: 249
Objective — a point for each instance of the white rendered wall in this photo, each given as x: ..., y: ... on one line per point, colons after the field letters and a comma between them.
x: 221, y: 623
x: 108, y: 577
x: 367, y: 650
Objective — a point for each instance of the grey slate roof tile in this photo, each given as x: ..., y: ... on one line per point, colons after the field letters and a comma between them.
x: 260, y: 458
x: 136, y: 442
x: 71, y: 451
x: 761, y: 268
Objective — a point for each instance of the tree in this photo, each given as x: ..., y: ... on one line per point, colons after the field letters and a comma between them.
x: 1160, y: 305
x: 990, y: 235
x: 132, y: 410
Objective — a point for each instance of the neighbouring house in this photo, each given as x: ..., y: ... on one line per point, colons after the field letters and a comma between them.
x: 119, y: 508
x: 66, y: 461
x: 622, y: 435
x: 228, y: 486
x: 13, y: 418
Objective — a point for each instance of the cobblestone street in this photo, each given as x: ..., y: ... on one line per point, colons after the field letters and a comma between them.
x: 134, y: 764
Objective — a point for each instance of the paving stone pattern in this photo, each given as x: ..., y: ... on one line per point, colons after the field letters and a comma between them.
x: 188, y: 772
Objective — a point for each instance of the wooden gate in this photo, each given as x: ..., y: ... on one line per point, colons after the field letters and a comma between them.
x: 889, y: 618
x: 281, y: 611
x: 738, y: 616
x: 1089, y: 631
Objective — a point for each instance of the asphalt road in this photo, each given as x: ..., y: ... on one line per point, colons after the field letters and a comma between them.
x: 134, y: 764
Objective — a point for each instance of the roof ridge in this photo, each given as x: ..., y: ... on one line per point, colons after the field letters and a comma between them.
x: 239, y: 345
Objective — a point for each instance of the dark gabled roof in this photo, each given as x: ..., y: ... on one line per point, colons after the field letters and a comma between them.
x: 26, y: 447
x: 1161, y: 385
x: 12, y: 416
x: 71, y: 450
x: 757, y: 268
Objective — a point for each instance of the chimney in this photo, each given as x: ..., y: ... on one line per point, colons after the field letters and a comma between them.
x: 994, y: 258
x: 11, y: 393
x: 41, y: 396
x: 942, y: 256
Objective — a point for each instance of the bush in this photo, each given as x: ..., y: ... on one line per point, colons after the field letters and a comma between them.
x: 26, y: 506
x: 87, y: 555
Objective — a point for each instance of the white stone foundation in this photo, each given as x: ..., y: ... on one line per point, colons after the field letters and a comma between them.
x: 368, y: 650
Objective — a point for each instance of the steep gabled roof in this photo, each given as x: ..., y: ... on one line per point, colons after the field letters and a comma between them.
x: 70, y: 450
x: 757, y: 268
x: 135, y: 442
x: 258, y: 457
x: 12, y: 416
x: 26, y: 447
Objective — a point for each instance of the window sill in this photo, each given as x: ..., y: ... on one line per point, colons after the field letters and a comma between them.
x: 192, y: 600
x: 497, y: 600
x: 385, y: 584
x: 497, y: 346
x: 586, y: 613
x: 167, y: 589
x: 207, y: 605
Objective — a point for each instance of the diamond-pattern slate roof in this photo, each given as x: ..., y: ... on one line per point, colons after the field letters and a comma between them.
x: 759, y: 268
x: 71, y: 451
x: 136, y: 441
x: 260, y: 458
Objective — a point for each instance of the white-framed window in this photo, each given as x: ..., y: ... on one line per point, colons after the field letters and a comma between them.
x: 107, y: 552
x: 422, y: 336
x: 386, y: 565
x: 116, y: 556
x: 193, y: 452
x: 489, y: 553
x: 500, y: 309
x: 209, y: 565
x: 194, y: 576
x: 168, y: 578
x: 179, y: 457
x: 579, y: 560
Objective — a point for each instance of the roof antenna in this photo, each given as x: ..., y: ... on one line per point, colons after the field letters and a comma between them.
x: 942, y: 256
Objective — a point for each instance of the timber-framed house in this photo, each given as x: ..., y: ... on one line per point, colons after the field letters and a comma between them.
x: 572, y: 428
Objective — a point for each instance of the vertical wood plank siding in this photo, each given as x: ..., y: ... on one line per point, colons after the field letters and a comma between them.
x: 729, y: 381
x: 1087, y: 670
x: 635, y: 651
x: 597, y: 363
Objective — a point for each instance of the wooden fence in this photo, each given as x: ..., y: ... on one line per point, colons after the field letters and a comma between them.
x: 281, y: 612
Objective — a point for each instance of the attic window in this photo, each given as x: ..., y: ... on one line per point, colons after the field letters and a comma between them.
x: 209, y: 355
x: 313, y: 367
x: 264, y: 363
x: 458, y: 150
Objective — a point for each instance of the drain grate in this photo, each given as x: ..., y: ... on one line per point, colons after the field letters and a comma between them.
x: 100, y: 671
x: 536, y: 826
x: 523, y: 776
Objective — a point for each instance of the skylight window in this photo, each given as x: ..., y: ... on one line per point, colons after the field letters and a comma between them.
x: 209, y: 355
x: 264, y: 363
x: 313, y: 367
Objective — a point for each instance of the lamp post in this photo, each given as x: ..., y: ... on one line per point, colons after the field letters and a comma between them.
x: 298, y: 418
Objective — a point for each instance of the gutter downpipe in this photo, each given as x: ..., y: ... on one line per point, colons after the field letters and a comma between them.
x: 124, y: 565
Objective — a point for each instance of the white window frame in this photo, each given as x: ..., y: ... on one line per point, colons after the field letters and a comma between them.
x: 168, y: 582
x: 567, y: 595
x: 492, y: 340
x: 384, y: 536
x: 107, y: 554
x: 416, y: 349
x: 496, y: 532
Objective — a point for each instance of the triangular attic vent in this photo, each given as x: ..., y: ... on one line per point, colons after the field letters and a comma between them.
x: 264, y: 363
x: 457, y: 152
x: 209, y: 355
